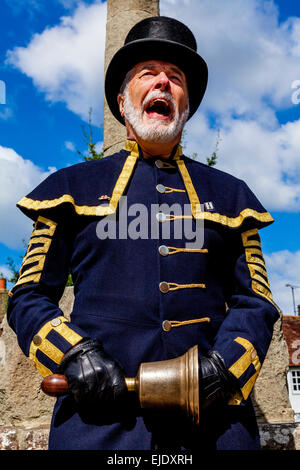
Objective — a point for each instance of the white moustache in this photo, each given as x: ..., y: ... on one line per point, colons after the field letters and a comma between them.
x: 162, y: 95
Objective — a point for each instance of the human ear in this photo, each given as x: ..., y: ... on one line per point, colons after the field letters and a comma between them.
x: 121, y: 103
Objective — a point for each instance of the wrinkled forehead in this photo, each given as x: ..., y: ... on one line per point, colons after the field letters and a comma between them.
x: 156, y: 65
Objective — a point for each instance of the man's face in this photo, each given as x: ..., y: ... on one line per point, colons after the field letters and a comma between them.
x: 155, y: 101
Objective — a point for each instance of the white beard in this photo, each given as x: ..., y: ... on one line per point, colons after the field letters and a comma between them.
x: 157, y: 130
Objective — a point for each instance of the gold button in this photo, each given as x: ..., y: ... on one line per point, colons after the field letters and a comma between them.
x: 164, y: 287
x: 163, y: 250
x: 37, y: 340
x: 253, y: 354
x: 160, y: 188
x: 160, y: 217
x: 55, y: 321
x: 159, y: 163
x: 166, y: 325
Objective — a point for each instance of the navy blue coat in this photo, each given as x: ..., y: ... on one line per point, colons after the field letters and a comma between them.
x: 146, y: 296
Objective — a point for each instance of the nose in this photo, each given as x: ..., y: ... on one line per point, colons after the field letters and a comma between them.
x: 162, y: 82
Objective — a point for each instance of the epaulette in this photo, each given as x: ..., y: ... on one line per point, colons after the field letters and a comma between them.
x: 225, y: 199
x: 94, y: 189
x: 78, y: 190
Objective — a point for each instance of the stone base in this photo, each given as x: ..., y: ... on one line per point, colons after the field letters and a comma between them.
x: 15, y: 438
x: 284, y: 436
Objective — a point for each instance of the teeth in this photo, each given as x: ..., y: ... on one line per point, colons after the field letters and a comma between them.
x: 160, y: 101
x: 157, y: 101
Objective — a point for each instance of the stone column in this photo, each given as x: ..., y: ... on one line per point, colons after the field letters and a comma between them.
x: 122, y: 15
x: 3, y: 297
x: 270, y: 394
x: 278, y: 430
x: 25, y: 411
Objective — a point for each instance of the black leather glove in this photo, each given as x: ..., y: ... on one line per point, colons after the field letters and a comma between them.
x: 216, y: 383
x: 93, y: 375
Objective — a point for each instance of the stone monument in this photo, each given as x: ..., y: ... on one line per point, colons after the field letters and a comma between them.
x: 122, y: 15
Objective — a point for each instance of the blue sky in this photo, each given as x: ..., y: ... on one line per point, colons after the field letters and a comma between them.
x: 51, y: 61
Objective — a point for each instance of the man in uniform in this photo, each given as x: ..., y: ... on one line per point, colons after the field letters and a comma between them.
x: 150, y: 297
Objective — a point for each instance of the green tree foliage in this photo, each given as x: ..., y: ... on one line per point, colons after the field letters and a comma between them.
x: 89, y: 140
x: 14, y: 272
x: 212, y: 159
x: 10, y: 263
x: 92, y: 154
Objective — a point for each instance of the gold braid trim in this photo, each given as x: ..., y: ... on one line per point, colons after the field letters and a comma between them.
x: 132, y: 147
x: 173, y: 190
x: 241, y: 365
x: 89, y: 210
x: 234, y: 222
x: 231, y: 222
x: 257, y: 267
x: 186, y: 250
x: 175, y: 323
x: 176, y: 286
x: 193, y: 197
x: 48, y: 348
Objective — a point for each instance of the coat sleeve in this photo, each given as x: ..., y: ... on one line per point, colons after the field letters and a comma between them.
x: 245, y: 335
x: 43, y: 333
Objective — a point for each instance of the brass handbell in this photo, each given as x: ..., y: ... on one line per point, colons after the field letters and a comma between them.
x: 167, y: 385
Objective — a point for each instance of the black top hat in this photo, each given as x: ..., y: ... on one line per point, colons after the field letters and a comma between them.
x: 158, y: 38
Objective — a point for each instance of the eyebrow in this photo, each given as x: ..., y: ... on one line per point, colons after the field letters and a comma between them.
x: 177, y: 70
x: 154, y: 66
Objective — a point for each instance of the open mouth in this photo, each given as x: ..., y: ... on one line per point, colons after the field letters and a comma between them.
x: 158, y: 108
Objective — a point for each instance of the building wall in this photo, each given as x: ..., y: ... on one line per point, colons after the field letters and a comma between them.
x: 293, y: 378
x: 291, y: 330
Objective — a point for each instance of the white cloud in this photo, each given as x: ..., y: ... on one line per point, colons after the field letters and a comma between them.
x: 70, y: 146
x: 249, y: 55
x: 5, y: 113
x: 4, y: 271
x: 284, y: 268
x: 99, y: 147
x: 267, y: 159
x: 253, y: 61
x: 18, y: 177
x: 68, y: 4
x: 66, y: 61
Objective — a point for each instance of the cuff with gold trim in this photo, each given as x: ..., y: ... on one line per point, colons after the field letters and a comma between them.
x: 245, y: 367
x: 51, y: 342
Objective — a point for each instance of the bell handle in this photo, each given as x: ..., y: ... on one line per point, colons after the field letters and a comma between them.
x: 56, y: 385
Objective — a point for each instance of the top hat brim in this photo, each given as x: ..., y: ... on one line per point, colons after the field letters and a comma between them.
x: 189, y: 61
